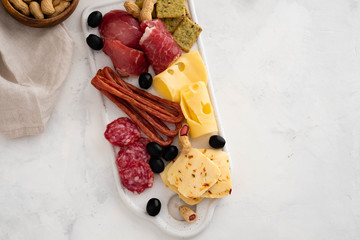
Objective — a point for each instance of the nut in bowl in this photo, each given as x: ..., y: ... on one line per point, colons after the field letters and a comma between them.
x: 40, y: 13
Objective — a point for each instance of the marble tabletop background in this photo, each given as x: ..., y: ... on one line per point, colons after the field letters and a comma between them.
x: 287, y: 81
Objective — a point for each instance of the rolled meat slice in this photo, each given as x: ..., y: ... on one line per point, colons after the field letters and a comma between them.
x: 159, y: 46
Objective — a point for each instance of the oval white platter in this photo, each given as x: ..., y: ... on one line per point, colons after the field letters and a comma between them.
x: 168, y: 220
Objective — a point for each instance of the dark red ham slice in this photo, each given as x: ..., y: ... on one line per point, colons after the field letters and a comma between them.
x: 127, y: 61
x: 159, y: 46
x: 119, y: 25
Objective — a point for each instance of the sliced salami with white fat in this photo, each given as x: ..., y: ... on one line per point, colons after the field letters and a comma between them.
x: 136, y: 176
x: 122, y: 132
x: 134, y: 152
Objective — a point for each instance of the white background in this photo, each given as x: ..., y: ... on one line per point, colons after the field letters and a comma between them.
x: 287, y: 81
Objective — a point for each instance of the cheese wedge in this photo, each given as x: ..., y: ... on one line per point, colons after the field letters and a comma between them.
x: 164, y: 177
x: 197, y: 108
x: 193, y: 174
x: 186, y: 69
x: 223, y: 186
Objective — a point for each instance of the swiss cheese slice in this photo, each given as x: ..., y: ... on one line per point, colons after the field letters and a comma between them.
x: 193, y: 174
x: 197, y: 108
x: 164, y: 177
x: 223, y: 186
x: 186, y: 69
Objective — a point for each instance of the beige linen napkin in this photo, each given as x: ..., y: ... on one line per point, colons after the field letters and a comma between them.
x: 33, y: 66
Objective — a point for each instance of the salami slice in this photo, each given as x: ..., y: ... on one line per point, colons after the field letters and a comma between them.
x: 122, y: 132
x: 134, y: 152
x: 136, y: 176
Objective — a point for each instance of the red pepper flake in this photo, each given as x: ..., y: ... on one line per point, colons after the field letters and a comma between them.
x: 204, y: 170
x: 191, y: 156
x: 209, y: 191
x: 189, y: 164
x: 206, y: 185
x: 192, y: 217
x: 201, y: 173
x: 230, y: 191
x: 194, y: 170
x: 185, y: 155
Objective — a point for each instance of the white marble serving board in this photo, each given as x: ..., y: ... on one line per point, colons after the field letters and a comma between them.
x: 168, y: 219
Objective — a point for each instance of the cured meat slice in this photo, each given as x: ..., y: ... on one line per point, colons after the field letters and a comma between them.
x: 121, y: 26
x: 127, y: 61
x: 136, y: 176
x: 159, y: 46
x: 157, y: 23
x: 134, y: 152
x: 122, y: 132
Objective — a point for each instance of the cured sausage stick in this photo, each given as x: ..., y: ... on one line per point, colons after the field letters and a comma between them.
x: 137, y: 101
x: 154, y: 121
x: 170, y: 106
x: 128, y: 110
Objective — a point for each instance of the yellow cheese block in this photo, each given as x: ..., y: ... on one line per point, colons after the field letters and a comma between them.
x: 197, y: 109
x: 193, y: 174
x: 186, y: 69
x: 164, y: 177
x: 223, y: 186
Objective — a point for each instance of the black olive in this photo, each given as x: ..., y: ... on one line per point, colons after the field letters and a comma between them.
x: 153, y: 207
x: 94, y: 19
x: 154, y: 149
x: 145, y: 80
x: 94, y: 42
x: 156, y: 165
x: 217, y: 141
x: 170, y: 152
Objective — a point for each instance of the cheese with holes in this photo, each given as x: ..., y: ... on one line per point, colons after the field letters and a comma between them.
x: 164, y: 177
x: 187, y: 69
x: 222, y: 187
x: 193, y: 174
x: 197, y: 108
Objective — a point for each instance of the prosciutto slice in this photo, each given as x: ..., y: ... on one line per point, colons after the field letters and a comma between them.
x: 158, y: 44
x: 127, y: 61
x: 119, y: 25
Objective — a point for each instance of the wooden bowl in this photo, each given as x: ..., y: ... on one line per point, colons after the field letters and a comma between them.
x: 39, y: 23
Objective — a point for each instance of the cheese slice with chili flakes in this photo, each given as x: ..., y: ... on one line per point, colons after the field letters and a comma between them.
x: 193, y: 173
x: 223, y: 186
x: 164, y: 177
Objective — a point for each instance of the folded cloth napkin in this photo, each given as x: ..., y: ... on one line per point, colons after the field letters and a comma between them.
x: 33, y: 66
